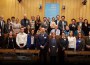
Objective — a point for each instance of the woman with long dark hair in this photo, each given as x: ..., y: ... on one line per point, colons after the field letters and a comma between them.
x: 37, y: 23
x: 85, y: 27
x: 31, y: 40
x: 80, y: 42
x: 10, y: 41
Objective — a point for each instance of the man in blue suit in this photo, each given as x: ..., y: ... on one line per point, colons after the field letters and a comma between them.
x: 43, y: 42
x: 25, y: 22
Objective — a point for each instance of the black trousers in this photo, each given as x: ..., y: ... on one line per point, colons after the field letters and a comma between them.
x: 43, y: 57
x: 61, y: 57
x: 52, y: 59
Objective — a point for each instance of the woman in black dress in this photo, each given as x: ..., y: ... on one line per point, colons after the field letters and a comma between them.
x: 10, y: 41
x: 62, y: 46
x: 85, y: 27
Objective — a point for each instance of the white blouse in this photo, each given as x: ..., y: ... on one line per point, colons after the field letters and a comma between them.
x: 72, y: 42
x: 52, y: 24
x: 21, y: 38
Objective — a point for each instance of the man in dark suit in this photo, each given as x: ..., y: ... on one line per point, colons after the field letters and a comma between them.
x: 73, y: 25
x: 2, y: 25
x: 1, y: 39
x: 80, y: 23
x: 25, y: 22
x: 62, y: 24
x: 57, y: 19
x: 42, y: 41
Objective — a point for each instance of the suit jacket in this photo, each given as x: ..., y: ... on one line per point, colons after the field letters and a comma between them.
x: 3, y: 27
x: 73, y: 27
x: 53, y: 47
x: 25, y: 22
x: 63, y: 43
x: 10, y: 43
x: 85, y: 29
x: 43, y: 40
x: 60, y: 26
x: 78, y: 23
x: 29, y: 41
x: 80, y: 44
x: 56, y: 22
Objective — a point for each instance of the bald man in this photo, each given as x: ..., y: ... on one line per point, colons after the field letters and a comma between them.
x: 25, y: 22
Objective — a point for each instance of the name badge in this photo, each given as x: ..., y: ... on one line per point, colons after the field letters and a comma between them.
x: 64, y: 39
x: 79, y: 41
x: 45, y: 37
x: 53, y: 46
x: 27, y: 22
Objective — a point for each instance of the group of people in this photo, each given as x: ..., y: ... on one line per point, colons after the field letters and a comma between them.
x: 52, y: 36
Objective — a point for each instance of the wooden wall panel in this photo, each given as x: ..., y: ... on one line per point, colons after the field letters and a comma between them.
x: 74, y: 8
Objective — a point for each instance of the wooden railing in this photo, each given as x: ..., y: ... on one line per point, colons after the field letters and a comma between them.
x: 19, y: 51
x: 67, y: 52
x: 77, y: 52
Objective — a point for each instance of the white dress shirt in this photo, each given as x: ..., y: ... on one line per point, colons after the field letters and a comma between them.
x: 32, y: 39
x: 21, y: 38
x: 2, y: 24
x: 57, y: 31
x: 63, y: 25
x: 72, y: 42
x: 80, y: 24
x: 57, y: 22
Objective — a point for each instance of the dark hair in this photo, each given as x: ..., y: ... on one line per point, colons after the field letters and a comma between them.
x: 44, y: 17
x: 12, y: 17
x: 22, y: 27
x: 39, y: 18
x: 73, y: 19
x: 84, y: 21
x: 78, y: 35
x: 31, y: 31
x: 62, y: 16
x: 9, y: 33
x: 8, y: 20
x: 52, y: 35
x: 57, y: 15
x: 70, y: 32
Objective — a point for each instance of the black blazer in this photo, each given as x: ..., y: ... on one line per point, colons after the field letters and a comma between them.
x: 25, y: 22
x: 10, y: 43
x: 73, y: 27
x: 43, y: 40
x: 56, y: 22
x: 60, y: 26
x: 85, y: 29
x: 63, y: 43
x: 3, y: 28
